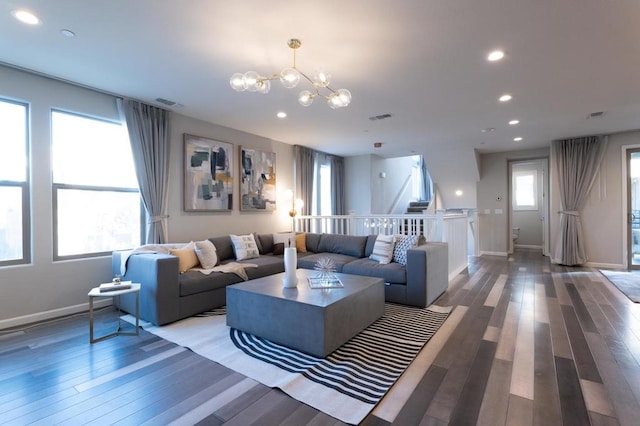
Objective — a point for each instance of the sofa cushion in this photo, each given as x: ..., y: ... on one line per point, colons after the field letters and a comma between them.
x: 349, y: 245
x: 309, y: 261
x: 244, y: 246
x: 268, y: 264
x: 383, y: 249
x: 264, y: 242
x: 206, y: 252
x: 223, y: 247
x: 312, y: 240
x: 194, y: 282
x: 187, y: 257
x: 278, y: 248
x: 393, y: 272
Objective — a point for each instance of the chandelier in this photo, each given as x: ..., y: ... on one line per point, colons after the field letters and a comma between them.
x: 251, y: 81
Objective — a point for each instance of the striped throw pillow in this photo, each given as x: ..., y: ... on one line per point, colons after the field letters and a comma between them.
x: 383, y: 249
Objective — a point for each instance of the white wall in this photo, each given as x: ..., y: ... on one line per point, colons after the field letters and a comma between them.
x: 367, y: 192
x: 44, y: 288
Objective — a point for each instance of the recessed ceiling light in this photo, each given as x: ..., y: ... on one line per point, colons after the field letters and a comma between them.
x: 281, y: 114
x: 517, y: 139
x: 496, y: 55
x: 488, y: 130
x: 505, y: 98
x: 67, y: 33
x: 458, y: 192
x: 25, y: 17
x: 514, y: 122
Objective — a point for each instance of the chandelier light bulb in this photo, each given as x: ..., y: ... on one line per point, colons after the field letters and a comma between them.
x: 264, y: 86
x: 237, y: 82
x: 321, y: 78
x: 251, y: 81
x: 305, y: 98
x: 289, y: 78
x: 345, y: 97
x: 334, y: 101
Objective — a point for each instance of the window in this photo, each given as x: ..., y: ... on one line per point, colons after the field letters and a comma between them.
x: 525, y: 190
x: 14, y: 184
x: 96, y: 201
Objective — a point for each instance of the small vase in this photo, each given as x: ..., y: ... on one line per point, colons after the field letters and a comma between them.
x: 290, y: 279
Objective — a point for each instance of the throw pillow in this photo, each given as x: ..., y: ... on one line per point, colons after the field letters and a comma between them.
x: 383, y: 249
x: 404, y: 243
x: 206, y: 252
x: 288, y: 238
x: 278, y: 248
x: 187, y: 257
x: 301, y: 243
x: 244, y: 246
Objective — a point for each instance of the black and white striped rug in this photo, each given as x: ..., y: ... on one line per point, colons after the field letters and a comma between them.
x: 346, y: 385
x: 366, y: 366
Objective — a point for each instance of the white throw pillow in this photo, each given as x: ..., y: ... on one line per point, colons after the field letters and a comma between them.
x: 288, y: 238
x: 404, y: 243
x: 207, y: 254
x: 383, y: 249
x: 244, y: 246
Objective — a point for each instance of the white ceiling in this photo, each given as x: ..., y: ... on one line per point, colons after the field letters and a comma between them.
x: 421, y: 61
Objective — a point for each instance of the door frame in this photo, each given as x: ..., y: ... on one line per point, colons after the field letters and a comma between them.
x: 546, y: 244
x: 627, y: 241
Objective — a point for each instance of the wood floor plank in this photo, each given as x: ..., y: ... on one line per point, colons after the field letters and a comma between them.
x: 416, y: 406
x: 520, y: 411
x: 495, y: 402
x: 574, y: 409
x: 559, y: 337
x: 467, y: 409
x: 581, y: 354
x: 546, y: 403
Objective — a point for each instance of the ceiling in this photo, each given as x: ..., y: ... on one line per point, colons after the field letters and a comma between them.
x: 423, y: 62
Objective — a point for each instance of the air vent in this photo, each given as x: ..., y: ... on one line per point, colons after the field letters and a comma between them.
x: 380, y: 117
x: 595, y: 115
x: 165, y: 101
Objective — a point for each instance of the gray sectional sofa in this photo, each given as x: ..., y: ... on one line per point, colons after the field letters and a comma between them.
x: 167, y: 296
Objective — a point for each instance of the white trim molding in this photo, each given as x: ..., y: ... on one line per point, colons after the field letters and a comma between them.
x: 54, y: 313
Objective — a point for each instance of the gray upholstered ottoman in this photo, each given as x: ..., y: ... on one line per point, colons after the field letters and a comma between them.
x: 315, y: 321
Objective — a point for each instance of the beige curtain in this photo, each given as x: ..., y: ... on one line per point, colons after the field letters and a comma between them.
x: 577, y: 163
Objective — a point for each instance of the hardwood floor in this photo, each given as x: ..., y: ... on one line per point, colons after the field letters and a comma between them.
x: 527, y: 343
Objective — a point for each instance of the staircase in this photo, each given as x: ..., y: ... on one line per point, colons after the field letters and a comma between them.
x: 415, y: 207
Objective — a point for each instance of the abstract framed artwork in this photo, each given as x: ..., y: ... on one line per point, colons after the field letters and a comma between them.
x: 258, y: 180
x: 208, y: 174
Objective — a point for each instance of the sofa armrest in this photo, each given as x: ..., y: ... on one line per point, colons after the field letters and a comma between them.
x: 427, y: 273
x: 159, y: 290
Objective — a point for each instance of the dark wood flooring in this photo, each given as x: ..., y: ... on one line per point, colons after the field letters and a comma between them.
x: 527, y: 343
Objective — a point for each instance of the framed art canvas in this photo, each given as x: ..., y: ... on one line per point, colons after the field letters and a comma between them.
x: 208, y: 174
x: 258, y: 180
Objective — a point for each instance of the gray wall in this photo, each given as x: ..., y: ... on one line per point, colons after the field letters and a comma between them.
x: 43, y: 288
x: 492, y: 190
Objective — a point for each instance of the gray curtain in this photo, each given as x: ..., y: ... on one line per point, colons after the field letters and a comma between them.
x: 577, y: 161
x: 338, y: 205
x: 148, y: 134
x: 304, y: 176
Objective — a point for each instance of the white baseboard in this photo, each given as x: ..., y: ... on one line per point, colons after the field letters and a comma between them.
x: 604, y: 265
x: 54, y: 313
x: 527, y: 246
x: 455, y: 273
x: 494, y: 253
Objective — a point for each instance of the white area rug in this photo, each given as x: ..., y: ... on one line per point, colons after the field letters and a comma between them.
x: 346, y: 385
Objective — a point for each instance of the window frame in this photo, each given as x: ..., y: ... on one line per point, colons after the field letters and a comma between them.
x: 26, y: 190
x: 55, y: 187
